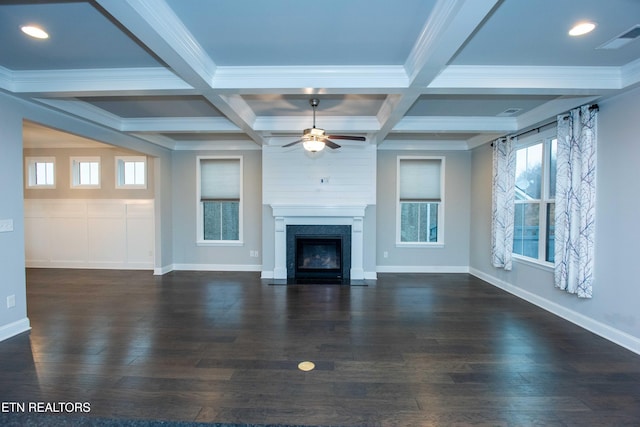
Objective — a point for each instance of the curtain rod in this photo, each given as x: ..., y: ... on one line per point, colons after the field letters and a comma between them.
x: 592, y: 107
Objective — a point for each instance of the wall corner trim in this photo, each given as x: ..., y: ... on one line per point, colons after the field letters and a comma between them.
x: 15, y: 328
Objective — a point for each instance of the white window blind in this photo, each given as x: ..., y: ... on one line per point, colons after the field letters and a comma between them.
x: 420, y: 180
x: 220, y: 179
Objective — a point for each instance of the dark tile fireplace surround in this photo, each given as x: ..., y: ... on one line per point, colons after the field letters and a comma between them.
x: 318, y: 253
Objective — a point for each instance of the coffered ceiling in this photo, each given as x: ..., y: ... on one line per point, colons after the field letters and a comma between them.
x: 239, y: 73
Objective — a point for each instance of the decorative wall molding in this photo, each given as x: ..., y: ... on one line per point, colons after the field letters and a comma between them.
x: 89, y: 233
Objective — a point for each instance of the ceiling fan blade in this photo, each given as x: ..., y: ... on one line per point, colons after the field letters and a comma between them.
x: 330, y: 144
x: 353, y: 138
x: 292, y: 143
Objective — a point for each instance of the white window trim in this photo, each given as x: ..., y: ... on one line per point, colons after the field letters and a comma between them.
x: 200, y: 214
x: 544, y: 138
x: 30, y: 178
x: 74, y: 172
x: 119, y: 185
x: 440, y: 239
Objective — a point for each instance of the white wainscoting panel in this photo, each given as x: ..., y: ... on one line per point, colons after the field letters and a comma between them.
x: 70, y: 233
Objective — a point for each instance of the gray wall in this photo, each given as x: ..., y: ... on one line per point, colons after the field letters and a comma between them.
x: 613, y: 311
x: 455, y: 253
x: 12, y: 276
x: 185, y: 251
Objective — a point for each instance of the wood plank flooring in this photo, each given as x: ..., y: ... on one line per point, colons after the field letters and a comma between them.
x: 406, y: 350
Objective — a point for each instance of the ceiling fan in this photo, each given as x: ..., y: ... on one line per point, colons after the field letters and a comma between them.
x: 314, y: 139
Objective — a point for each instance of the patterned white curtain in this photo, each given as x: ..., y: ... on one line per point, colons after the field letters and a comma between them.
x: 503, y: 202
x: 576, y: 201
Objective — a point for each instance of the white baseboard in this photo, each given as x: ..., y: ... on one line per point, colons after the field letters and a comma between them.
x: 605, y: 331
x: 159, y: 271
x: 15, y: 328
x: 217, y: 267
x: 422, y: 269
x: 90, y: 265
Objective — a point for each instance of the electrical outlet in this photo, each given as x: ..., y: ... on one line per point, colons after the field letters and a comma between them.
x: 6, y: 225
x: 11, y: 301
x: 253, y: 253
x: 385, y: 254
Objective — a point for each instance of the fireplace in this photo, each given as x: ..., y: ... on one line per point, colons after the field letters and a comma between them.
x: 318, y: 252
x: 318, y: 257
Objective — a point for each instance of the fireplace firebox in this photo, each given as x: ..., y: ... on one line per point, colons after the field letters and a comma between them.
x: 318, y: 257
x: 320, y: 252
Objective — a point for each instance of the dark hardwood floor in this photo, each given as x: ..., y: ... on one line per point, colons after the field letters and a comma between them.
x: 406, y: 350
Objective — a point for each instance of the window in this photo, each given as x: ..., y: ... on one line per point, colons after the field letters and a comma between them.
x: 41, y: 172
x: 535, y: 200
x: 85, y: 172
x: 420, y: 201
x: 220, y: 200
x: 131, y: 172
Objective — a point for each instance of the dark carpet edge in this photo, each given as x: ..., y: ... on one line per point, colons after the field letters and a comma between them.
x: 46, y: 420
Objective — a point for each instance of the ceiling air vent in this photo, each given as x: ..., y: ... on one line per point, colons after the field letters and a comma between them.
x: 509, y: 112
x: 621, y: 40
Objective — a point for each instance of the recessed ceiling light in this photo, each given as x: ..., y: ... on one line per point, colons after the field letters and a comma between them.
x: 35, y: 32
x: 582, y: 28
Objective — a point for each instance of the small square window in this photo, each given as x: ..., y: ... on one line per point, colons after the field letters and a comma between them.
x: 85, y: 172
x: 41, y: 172
x: 131, y: 172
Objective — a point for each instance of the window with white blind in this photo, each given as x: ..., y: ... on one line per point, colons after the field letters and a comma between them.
x: 220, y: 200
x: 420, y: 201
x: 131, y: 172
x: 41, y: 172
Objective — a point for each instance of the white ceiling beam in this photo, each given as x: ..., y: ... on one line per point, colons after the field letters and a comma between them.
x: 90, y: 82
x: 157, y: 26
x: 450, y: 24
x: 456, y: 124
x: 311, y: 77
x: 295, y: 124
x: 494, y: 77
x: 180, y: 124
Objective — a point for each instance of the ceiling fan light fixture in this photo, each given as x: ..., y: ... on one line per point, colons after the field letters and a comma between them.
x: 313, y: 145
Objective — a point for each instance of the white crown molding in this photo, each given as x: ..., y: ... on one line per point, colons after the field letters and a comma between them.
x: 84, y: 110
x: 549, y: 110
x: 528, y: 77
x: 333, y: 124
x: 179, y: 124
x: 443, y: 124
x: 296, y: 77
x: 6, y: 79
x: 156, y: 139
x: 631, y: 73
x: 166, y: 35
x: 98, y: 81
x: 447, y: 28
x: 391, y: 144
x: 221, y: 145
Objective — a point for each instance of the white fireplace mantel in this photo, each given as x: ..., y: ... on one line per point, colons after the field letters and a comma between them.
x: 286, y: 214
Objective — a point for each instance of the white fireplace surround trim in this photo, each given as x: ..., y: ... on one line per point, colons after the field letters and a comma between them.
x: 352, y: 215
